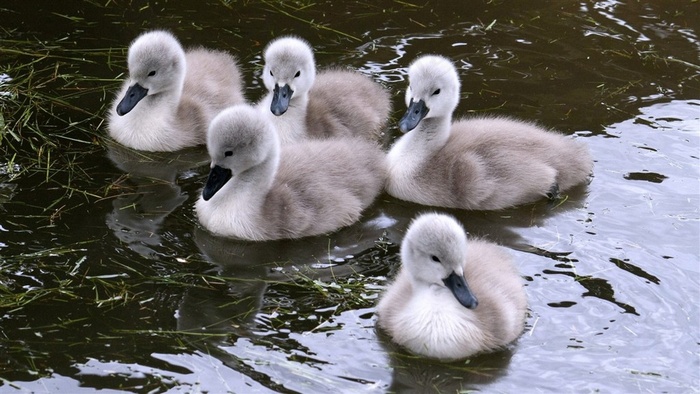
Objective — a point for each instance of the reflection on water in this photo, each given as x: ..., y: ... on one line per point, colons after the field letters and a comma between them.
x: 247, y: 267
x: 413, y: 374
x: 497, y: 226
x: 233, y: 307
x: 151, y: 194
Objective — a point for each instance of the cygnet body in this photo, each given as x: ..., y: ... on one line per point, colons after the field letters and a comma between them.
x: 258, y: 190
x: 171, y: 95
x: 333, y: 103
x: 452, y: 298
x: 480, y: 163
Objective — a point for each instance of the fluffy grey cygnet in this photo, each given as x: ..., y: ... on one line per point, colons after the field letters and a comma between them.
x: 452, y: 297
x: 332, y: 103
x: 483, y: 163
x: 258, y: 190
x: 171, y: 95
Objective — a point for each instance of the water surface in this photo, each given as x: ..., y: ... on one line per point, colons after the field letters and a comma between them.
x: 109, y: 283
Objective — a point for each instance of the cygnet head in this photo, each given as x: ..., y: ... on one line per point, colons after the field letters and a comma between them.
x: 289, y: 71
x: 434, y: 251
x: 156, y: 65
x: 238, y: 139
x: 433, y: 90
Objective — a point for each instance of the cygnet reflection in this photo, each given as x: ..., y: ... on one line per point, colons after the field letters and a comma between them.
x: 413, y: 374
x: 150, y: 193
x: 497, y: 226
x: 247, y: 267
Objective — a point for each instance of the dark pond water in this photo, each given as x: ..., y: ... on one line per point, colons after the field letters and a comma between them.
x: 107, y: 281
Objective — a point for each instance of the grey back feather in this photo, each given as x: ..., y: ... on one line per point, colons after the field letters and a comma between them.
x: 344, y: 103
x: 495, y: 163
x: 321, y: 186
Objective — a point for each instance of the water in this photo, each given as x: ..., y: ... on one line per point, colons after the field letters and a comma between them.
x: 108, y: 282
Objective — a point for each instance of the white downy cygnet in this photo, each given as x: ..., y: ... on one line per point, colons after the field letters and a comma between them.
x: 452, y: 298
x: 332, y: 103
x: 258, y: 190
x: 171, y: 95
x: 482, y: 163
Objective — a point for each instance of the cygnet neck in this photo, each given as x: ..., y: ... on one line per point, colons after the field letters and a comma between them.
x: 254, y: 183
x: 433, y: 131
x: 290, y: 126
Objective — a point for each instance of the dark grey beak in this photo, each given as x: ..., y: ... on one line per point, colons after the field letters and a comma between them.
x: 132, y: 97
x: 280, y: 99
x: 218, y: 176
x: 459, y: 288
x: 414, y: 114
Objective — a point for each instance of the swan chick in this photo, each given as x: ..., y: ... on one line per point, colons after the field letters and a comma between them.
x: 482, y: 163
x: 333, y: 103
x: 452, y: 298
x: 171, y: 95
x: 258, y: 190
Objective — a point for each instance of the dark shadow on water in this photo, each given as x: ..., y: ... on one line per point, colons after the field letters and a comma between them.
x: 595, y: 287
x: 151, y: 193
x: 496, y: 226
x: 631, y: 268
x: 322, y: 253
x: 416, y: 374
x: 647, y: 176
x: 247, y: 267
x: 231, y: 306
x: 218, y: 316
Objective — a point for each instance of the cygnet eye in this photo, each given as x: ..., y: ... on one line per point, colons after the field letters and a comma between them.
x: 436, y: 92
x: 297, y: 74
x: 152, y: 73
x: 434, y: 258
x: 271, y: 74
x: 228, y: 153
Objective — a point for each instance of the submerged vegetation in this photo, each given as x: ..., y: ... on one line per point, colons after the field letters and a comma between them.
x: 40, y: 104
x: 52, y: 112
